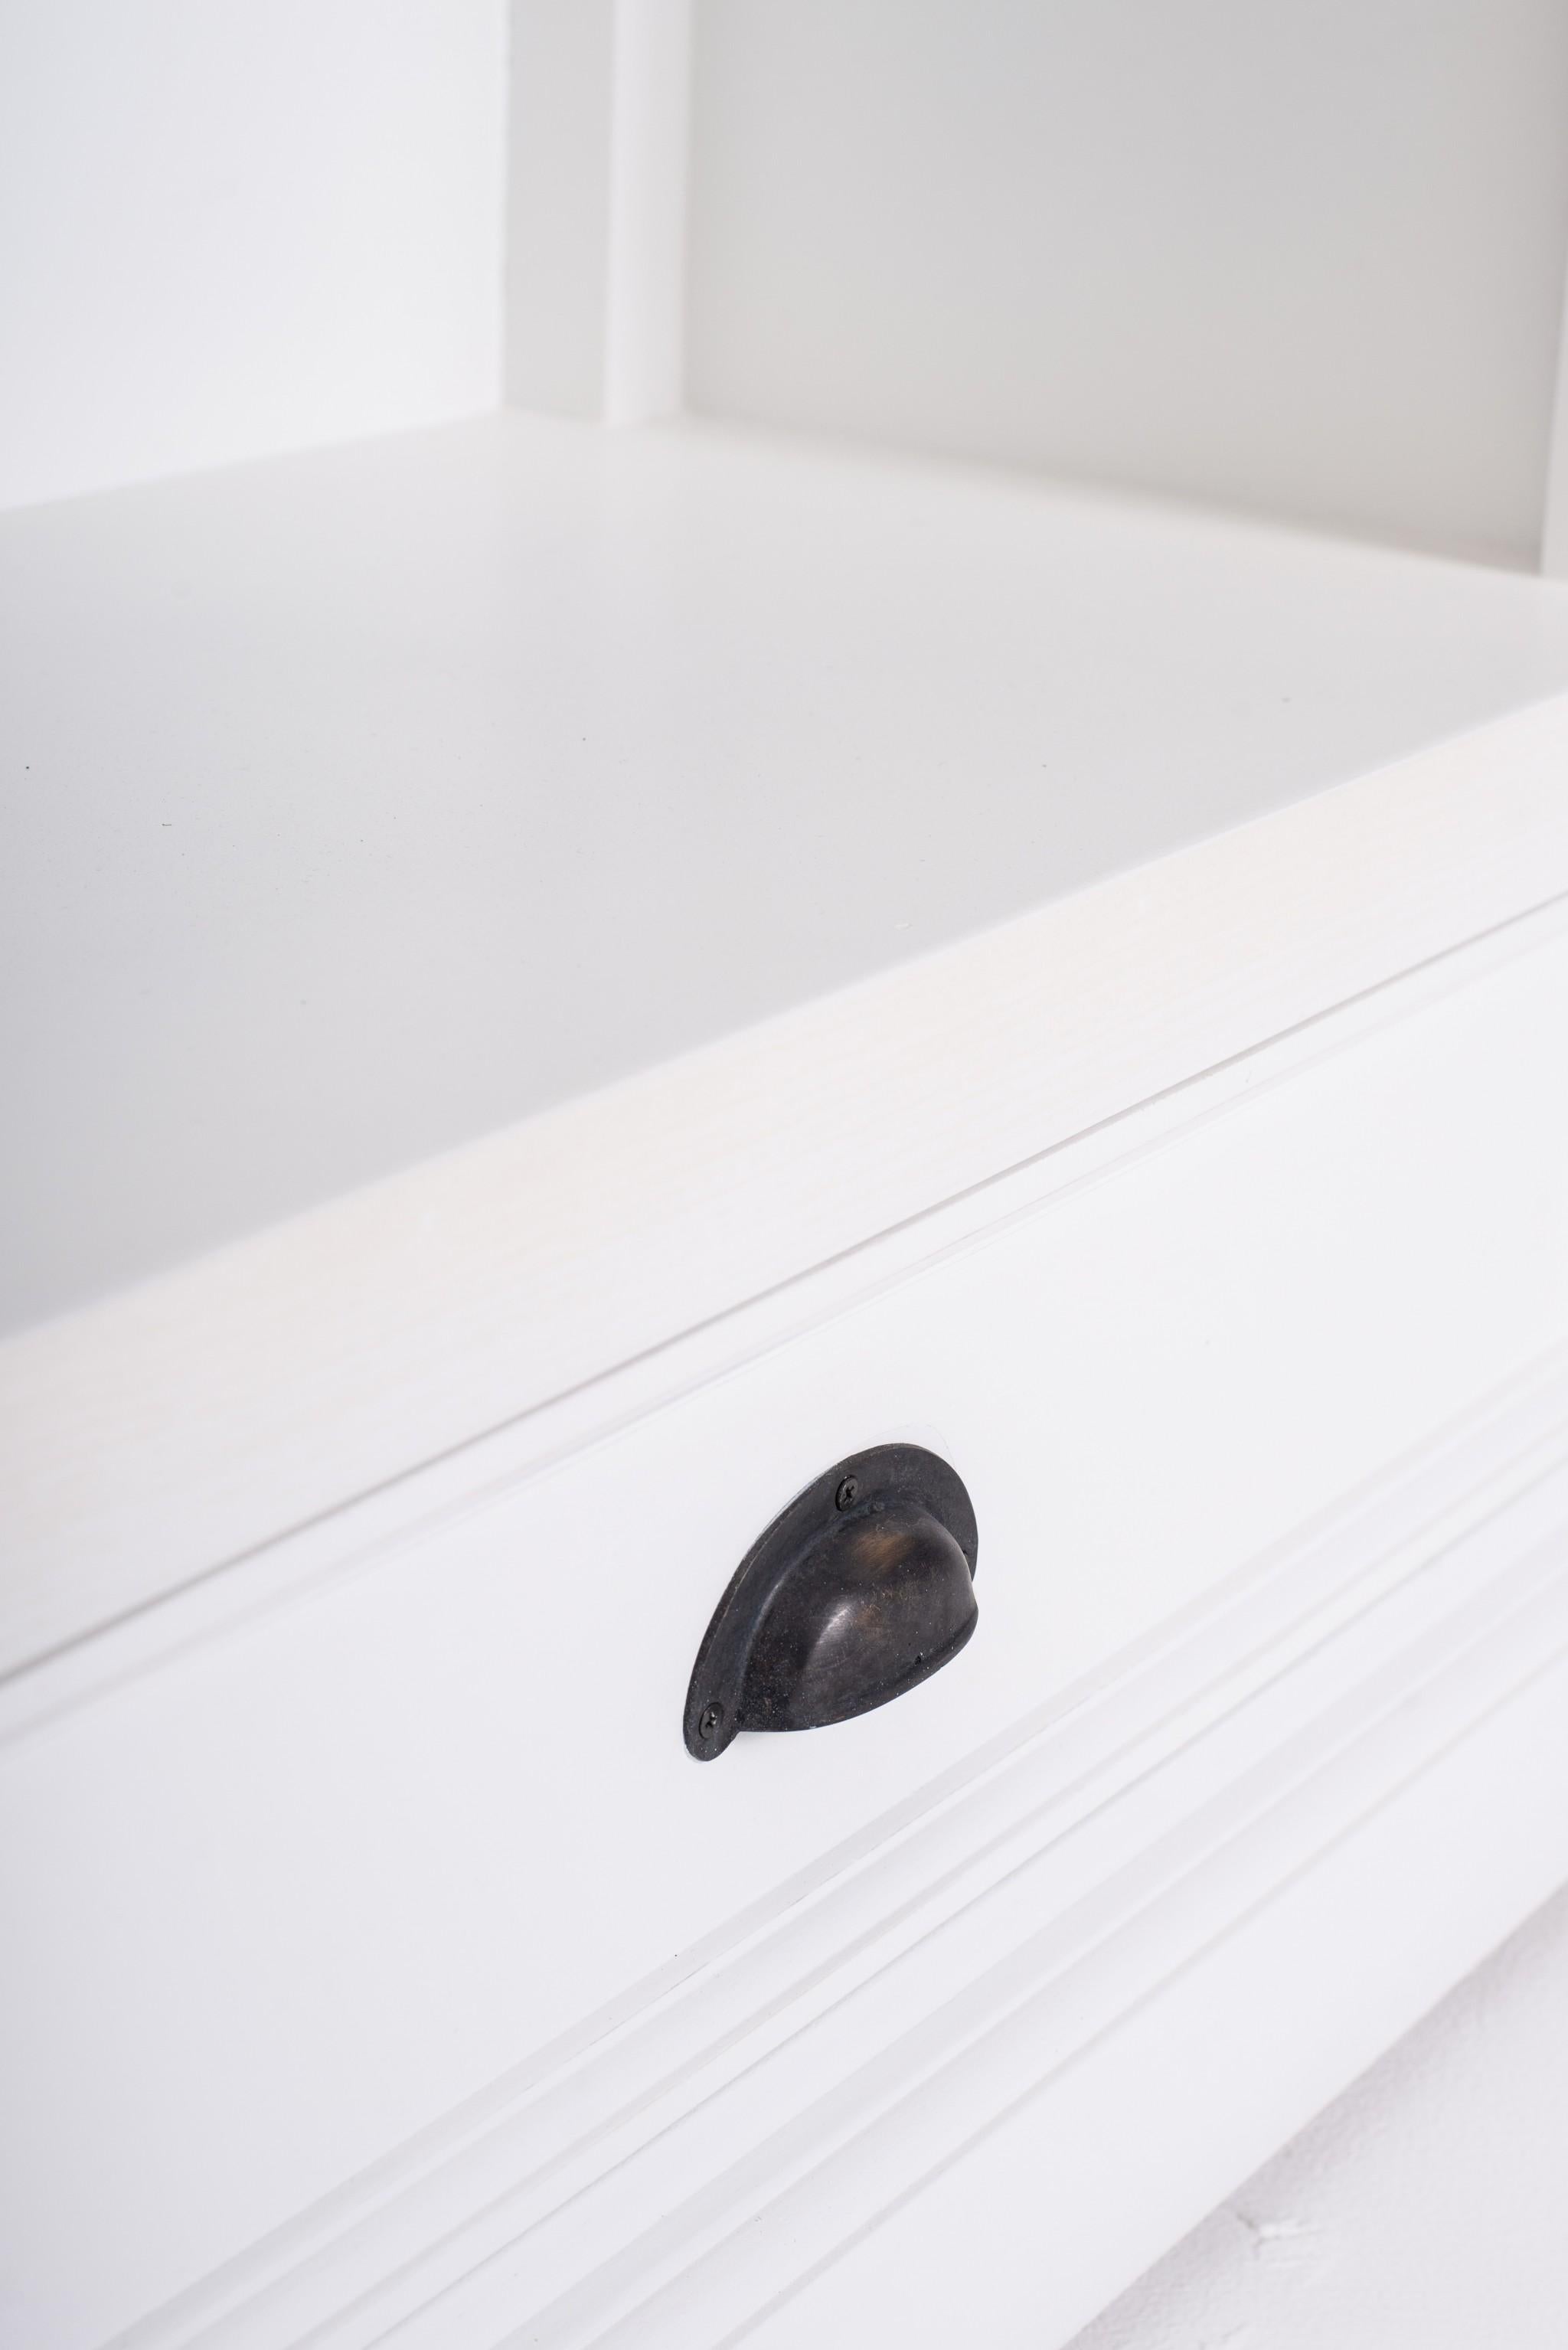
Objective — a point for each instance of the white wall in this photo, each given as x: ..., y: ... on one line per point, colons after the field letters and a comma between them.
x: 228, y: 228
x: 1301, y: 258
x: 1429, y: 2206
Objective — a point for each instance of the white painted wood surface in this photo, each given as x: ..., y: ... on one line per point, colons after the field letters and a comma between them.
x: 984, y: 2065
x: 1300, y: 261
x: 452, y: 778
x: 596, y: 207
x: 1257, y: 1988
x: 1554, y: 533
x: 1308, y: 266
x: 556, y: 982
x: 227, y: 230
x: 413, y: 1813
x: 658, y: 826
x: 1422, y: 2206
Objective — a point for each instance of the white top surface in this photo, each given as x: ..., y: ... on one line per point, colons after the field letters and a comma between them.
x: 359, y: 805
x: 481, y: 907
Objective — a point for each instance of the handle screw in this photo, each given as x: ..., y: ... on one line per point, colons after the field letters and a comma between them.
x: 848, y: 1489
x: 711, y: 1721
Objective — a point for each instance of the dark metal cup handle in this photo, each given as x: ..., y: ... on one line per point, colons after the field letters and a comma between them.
x: 863, y: 1587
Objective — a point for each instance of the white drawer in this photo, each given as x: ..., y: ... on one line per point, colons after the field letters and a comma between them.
x: 373, y: 1841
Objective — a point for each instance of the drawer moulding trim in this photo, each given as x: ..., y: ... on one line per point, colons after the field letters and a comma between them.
x: 1387, y: 1692
x: 186, y: 1423
x: 357, y: 1538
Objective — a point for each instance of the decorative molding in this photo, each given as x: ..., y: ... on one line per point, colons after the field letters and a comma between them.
x: 233, y: 1593
x: 682, y: 2171
x: 189, y: 1421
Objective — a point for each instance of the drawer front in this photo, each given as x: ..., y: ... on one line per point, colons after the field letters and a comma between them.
x: 289, y: 1893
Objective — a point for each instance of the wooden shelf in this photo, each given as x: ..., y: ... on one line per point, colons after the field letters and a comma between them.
x: 483, y: 901
x: 367, y: 803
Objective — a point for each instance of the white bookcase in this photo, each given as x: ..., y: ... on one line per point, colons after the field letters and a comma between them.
x: 854, y: 862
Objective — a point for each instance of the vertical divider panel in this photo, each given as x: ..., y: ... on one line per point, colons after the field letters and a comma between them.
x: 1554, y: 522
x: 596, y: 207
